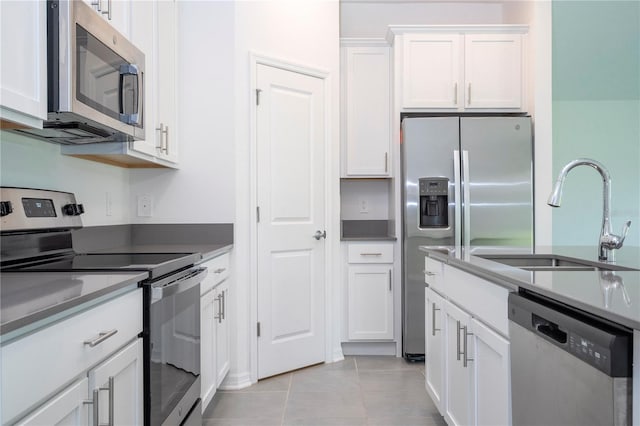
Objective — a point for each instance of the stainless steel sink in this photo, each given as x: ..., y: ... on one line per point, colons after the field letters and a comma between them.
x: 549, y: 262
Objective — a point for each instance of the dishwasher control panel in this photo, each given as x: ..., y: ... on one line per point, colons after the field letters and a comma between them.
x: 598, y: 342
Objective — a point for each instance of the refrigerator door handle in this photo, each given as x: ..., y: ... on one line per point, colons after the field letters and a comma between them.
x: 466, y: 213
x: 458, y: 206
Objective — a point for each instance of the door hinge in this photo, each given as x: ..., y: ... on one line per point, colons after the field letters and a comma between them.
x: 258, y: 329
x: 258, y: 214
x: 258, y: 96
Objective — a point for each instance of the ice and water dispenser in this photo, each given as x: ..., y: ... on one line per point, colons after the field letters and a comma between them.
x: 434, y: 202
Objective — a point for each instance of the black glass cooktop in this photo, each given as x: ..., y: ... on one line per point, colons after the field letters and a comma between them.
x: 157, y: 264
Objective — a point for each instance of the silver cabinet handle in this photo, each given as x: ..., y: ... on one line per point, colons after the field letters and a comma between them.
x: 469, y: 95
x: 164, y: 138
x: 112, y: 391
x: 97, y: 4
x: 465, y: 358
x: 319, y: 235
x: 224, y: 304
x: 428, y: 273
x: 101, y: 338
x: 389, y: 280
x: 219, y: 316
x: 370, y: 254
x: 386, y: 162
x: 219, y: 270
x: 458, y: 340
x: 94, y: 402
x: 433, y: 319
x: 108, y: 12
x: 455, y: 93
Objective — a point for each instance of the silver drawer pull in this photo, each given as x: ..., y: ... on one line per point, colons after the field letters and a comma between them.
x: 101, y: 338
x: 428, y: 273
x: 370, y: 254
x: 219, y: 270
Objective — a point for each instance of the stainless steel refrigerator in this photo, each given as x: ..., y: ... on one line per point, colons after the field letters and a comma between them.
x: 467, y: 182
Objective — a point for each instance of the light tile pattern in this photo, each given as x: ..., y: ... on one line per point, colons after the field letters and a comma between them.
x: 359, y: 391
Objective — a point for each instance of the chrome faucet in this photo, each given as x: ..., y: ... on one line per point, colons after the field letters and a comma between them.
x: 608, y: 241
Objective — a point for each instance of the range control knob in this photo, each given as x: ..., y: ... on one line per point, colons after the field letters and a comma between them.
x: 5, y: 208
x: 73, y: 209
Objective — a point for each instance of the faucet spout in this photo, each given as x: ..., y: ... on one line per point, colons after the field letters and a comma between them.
x: 607, y: 241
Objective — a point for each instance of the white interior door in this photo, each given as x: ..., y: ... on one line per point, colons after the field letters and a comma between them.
x: 291, y: 202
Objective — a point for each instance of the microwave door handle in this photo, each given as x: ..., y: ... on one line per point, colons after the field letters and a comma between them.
x: 128, y: 70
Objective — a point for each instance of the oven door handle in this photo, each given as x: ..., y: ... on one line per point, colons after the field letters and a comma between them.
x: 171, y: 286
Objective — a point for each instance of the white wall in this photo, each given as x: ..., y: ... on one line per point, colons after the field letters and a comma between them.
x: 32, y: 163
x: 371, y: 19
x: 303, y: 32
x: 202, y: 190
x: 373, y: 192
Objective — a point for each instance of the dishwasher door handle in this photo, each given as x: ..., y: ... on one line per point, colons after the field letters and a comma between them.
x: 549, y: 329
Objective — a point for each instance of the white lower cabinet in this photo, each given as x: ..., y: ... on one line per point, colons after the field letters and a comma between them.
x: 370, y: 296
x: 467, y: 365
x: 118, y: 382
x: 215, y: 340
x: 50, y: 376
x: 69, y: 407
x: 435, y: 354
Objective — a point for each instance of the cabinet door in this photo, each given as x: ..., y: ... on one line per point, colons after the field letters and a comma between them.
x: 493, y: 376
x: 208, y: 321
x: 143, y: 36
x: 116, y: 12
x: 222, y: 332
x: 431, y: 71
x: 435, y: 332
x: 67, y: 408
x: 165, y: 85
x: 23, y: 68
x: 370, y: 301
x: 493, y: 71
x: 367, y: 131
x: 459, y: 390
x: 120, y: 384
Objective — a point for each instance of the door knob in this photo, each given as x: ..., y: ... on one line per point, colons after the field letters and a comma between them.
x: 319, y: 235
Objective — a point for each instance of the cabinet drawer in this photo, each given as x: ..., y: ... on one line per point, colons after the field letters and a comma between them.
x: 218, y: 271
x: 370, y: 253
x: 36, y: 366
x: 433, y: 274
x: 484, y: 300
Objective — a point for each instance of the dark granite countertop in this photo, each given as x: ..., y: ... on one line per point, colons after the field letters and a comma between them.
x: 611, y: 295
x: 207, y: 251
x: 31, y: 299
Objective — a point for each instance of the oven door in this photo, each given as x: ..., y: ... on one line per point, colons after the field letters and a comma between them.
x: 174, y: 350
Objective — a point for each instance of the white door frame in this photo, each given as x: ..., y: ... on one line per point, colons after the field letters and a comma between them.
x: 255, y: 60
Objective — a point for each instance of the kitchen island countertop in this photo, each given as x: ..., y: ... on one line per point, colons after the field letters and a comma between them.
x: 613, y: 295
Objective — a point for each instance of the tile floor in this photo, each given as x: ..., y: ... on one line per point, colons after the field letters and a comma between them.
x: 361, y: 390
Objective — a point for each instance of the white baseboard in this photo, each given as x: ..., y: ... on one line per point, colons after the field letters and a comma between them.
x: 236, y: 381
x: 369, y: 348
x: 337, y: 354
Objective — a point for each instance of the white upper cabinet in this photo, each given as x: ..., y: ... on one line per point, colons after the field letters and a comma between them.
x: 366, y: 130
x: 23, y: 69
x: 117, y: 12
x: 455, y: 68
x: 431, y: 65
x: 493, y: 70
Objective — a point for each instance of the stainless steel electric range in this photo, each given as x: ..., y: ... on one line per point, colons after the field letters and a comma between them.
x: 36, y: 237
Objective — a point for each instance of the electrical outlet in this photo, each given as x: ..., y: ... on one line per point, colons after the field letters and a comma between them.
x: 108, y: 204
x: 364, y: 206
x: 145, y: 205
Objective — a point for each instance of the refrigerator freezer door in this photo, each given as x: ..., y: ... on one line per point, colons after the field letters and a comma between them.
x: 498, y: 178
x: 428, y: 146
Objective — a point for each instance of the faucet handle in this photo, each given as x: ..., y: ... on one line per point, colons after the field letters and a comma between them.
x: 625, y: 231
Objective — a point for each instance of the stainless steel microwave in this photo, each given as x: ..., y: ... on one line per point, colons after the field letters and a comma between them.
x: 95, y: 79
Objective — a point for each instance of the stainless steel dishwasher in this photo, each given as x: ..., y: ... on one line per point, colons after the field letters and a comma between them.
x: 567, y: 366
